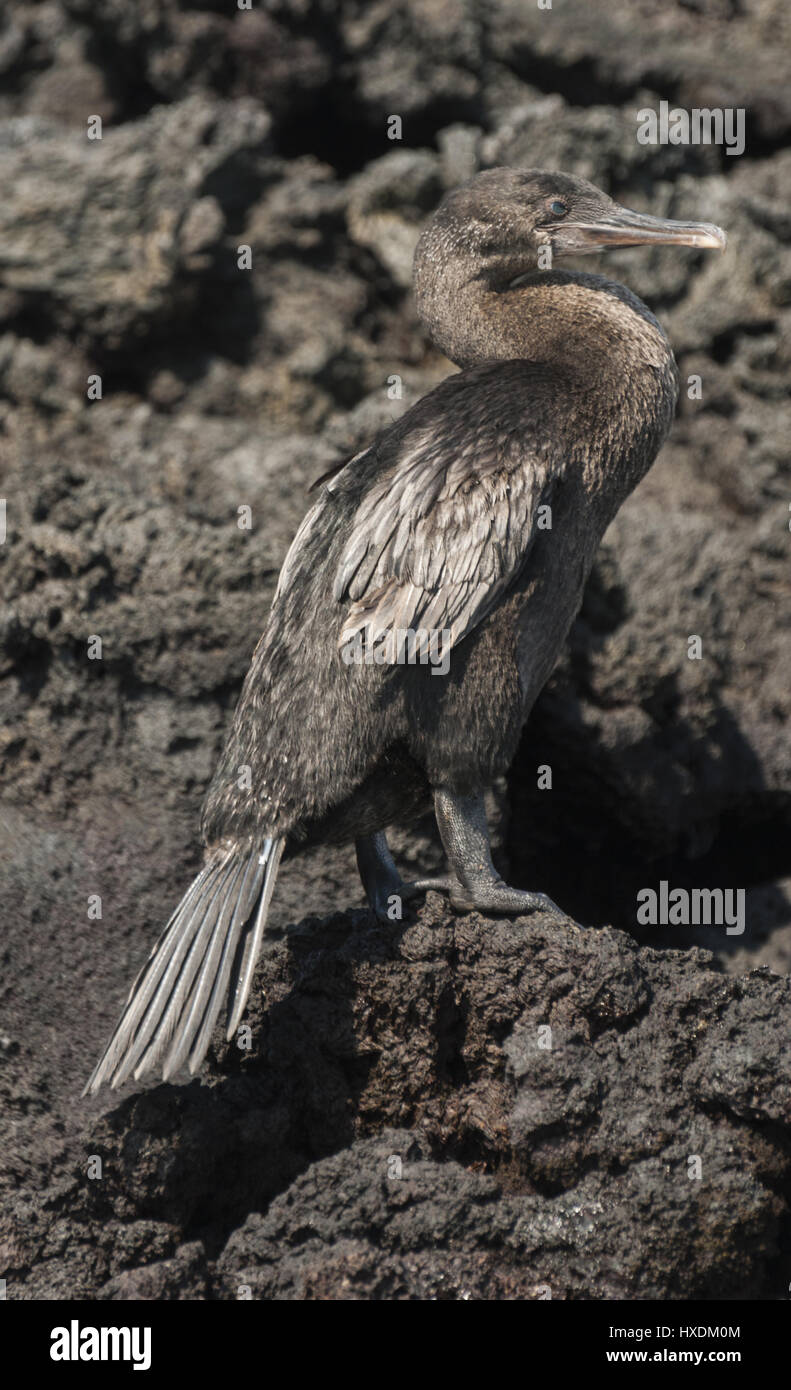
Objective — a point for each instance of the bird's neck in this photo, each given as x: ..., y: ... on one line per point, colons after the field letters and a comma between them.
x: 574, y: 319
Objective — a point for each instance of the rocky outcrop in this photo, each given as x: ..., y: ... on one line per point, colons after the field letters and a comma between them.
x: 446, y: 1108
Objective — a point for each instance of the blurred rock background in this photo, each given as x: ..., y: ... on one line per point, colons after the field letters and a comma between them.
x: 221, y: 387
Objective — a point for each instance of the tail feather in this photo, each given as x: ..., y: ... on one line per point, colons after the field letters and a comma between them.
x: 209, y: 948
x: 199, y: 918
x: 207, y: 977
x: 249, y: 947
x: 216, y: 981
x: 167, y: 1015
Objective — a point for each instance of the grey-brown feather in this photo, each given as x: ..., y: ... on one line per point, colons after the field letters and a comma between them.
x: 204, y: 952
x: 436, y: 542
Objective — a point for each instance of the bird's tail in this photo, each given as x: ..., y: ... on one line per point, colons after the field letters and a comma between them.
x: 207, y: 951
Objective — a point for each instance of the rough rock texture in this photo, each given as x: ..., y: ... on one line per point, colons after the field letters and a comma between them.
x: 450, y: 1108
x: 522, y: 1167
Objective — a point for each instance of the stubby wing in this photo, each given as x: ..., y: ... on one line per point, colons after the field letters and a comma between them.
x: 440, y: 535
x: 312, y: 519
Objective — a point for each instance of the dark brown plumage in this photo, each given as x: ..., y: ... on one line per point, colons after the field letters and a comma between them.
x: 477, y: 515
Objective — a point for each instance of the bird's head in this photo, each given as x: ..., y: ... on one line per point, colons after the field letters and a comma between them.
x: 502, y: 219
x: 503, y: 231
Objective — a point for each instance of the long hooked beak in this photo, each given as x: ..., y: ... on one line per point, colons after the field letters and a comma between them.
x: 620, y: 227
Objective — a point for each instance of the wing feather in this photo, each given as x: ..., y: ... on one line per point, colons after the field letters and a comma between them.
x: 437, y: 539
x: 441, y: 511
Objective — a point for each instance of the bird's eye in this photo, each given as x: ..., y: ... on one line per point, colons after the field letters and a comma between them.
x: 558, y: 209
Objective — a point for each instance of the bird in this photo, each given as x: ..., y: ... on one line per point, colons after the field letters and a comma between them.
x: 466, y: 530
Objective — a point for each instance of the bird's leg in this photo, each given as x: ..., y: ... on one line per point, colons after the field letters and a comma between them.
x: 465, y: 835
x: 474, y: 882
x: 382, y: 881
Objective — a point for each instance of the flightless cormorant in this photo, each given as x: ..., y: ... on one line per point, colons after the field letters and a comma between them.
x: 566, y: 393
